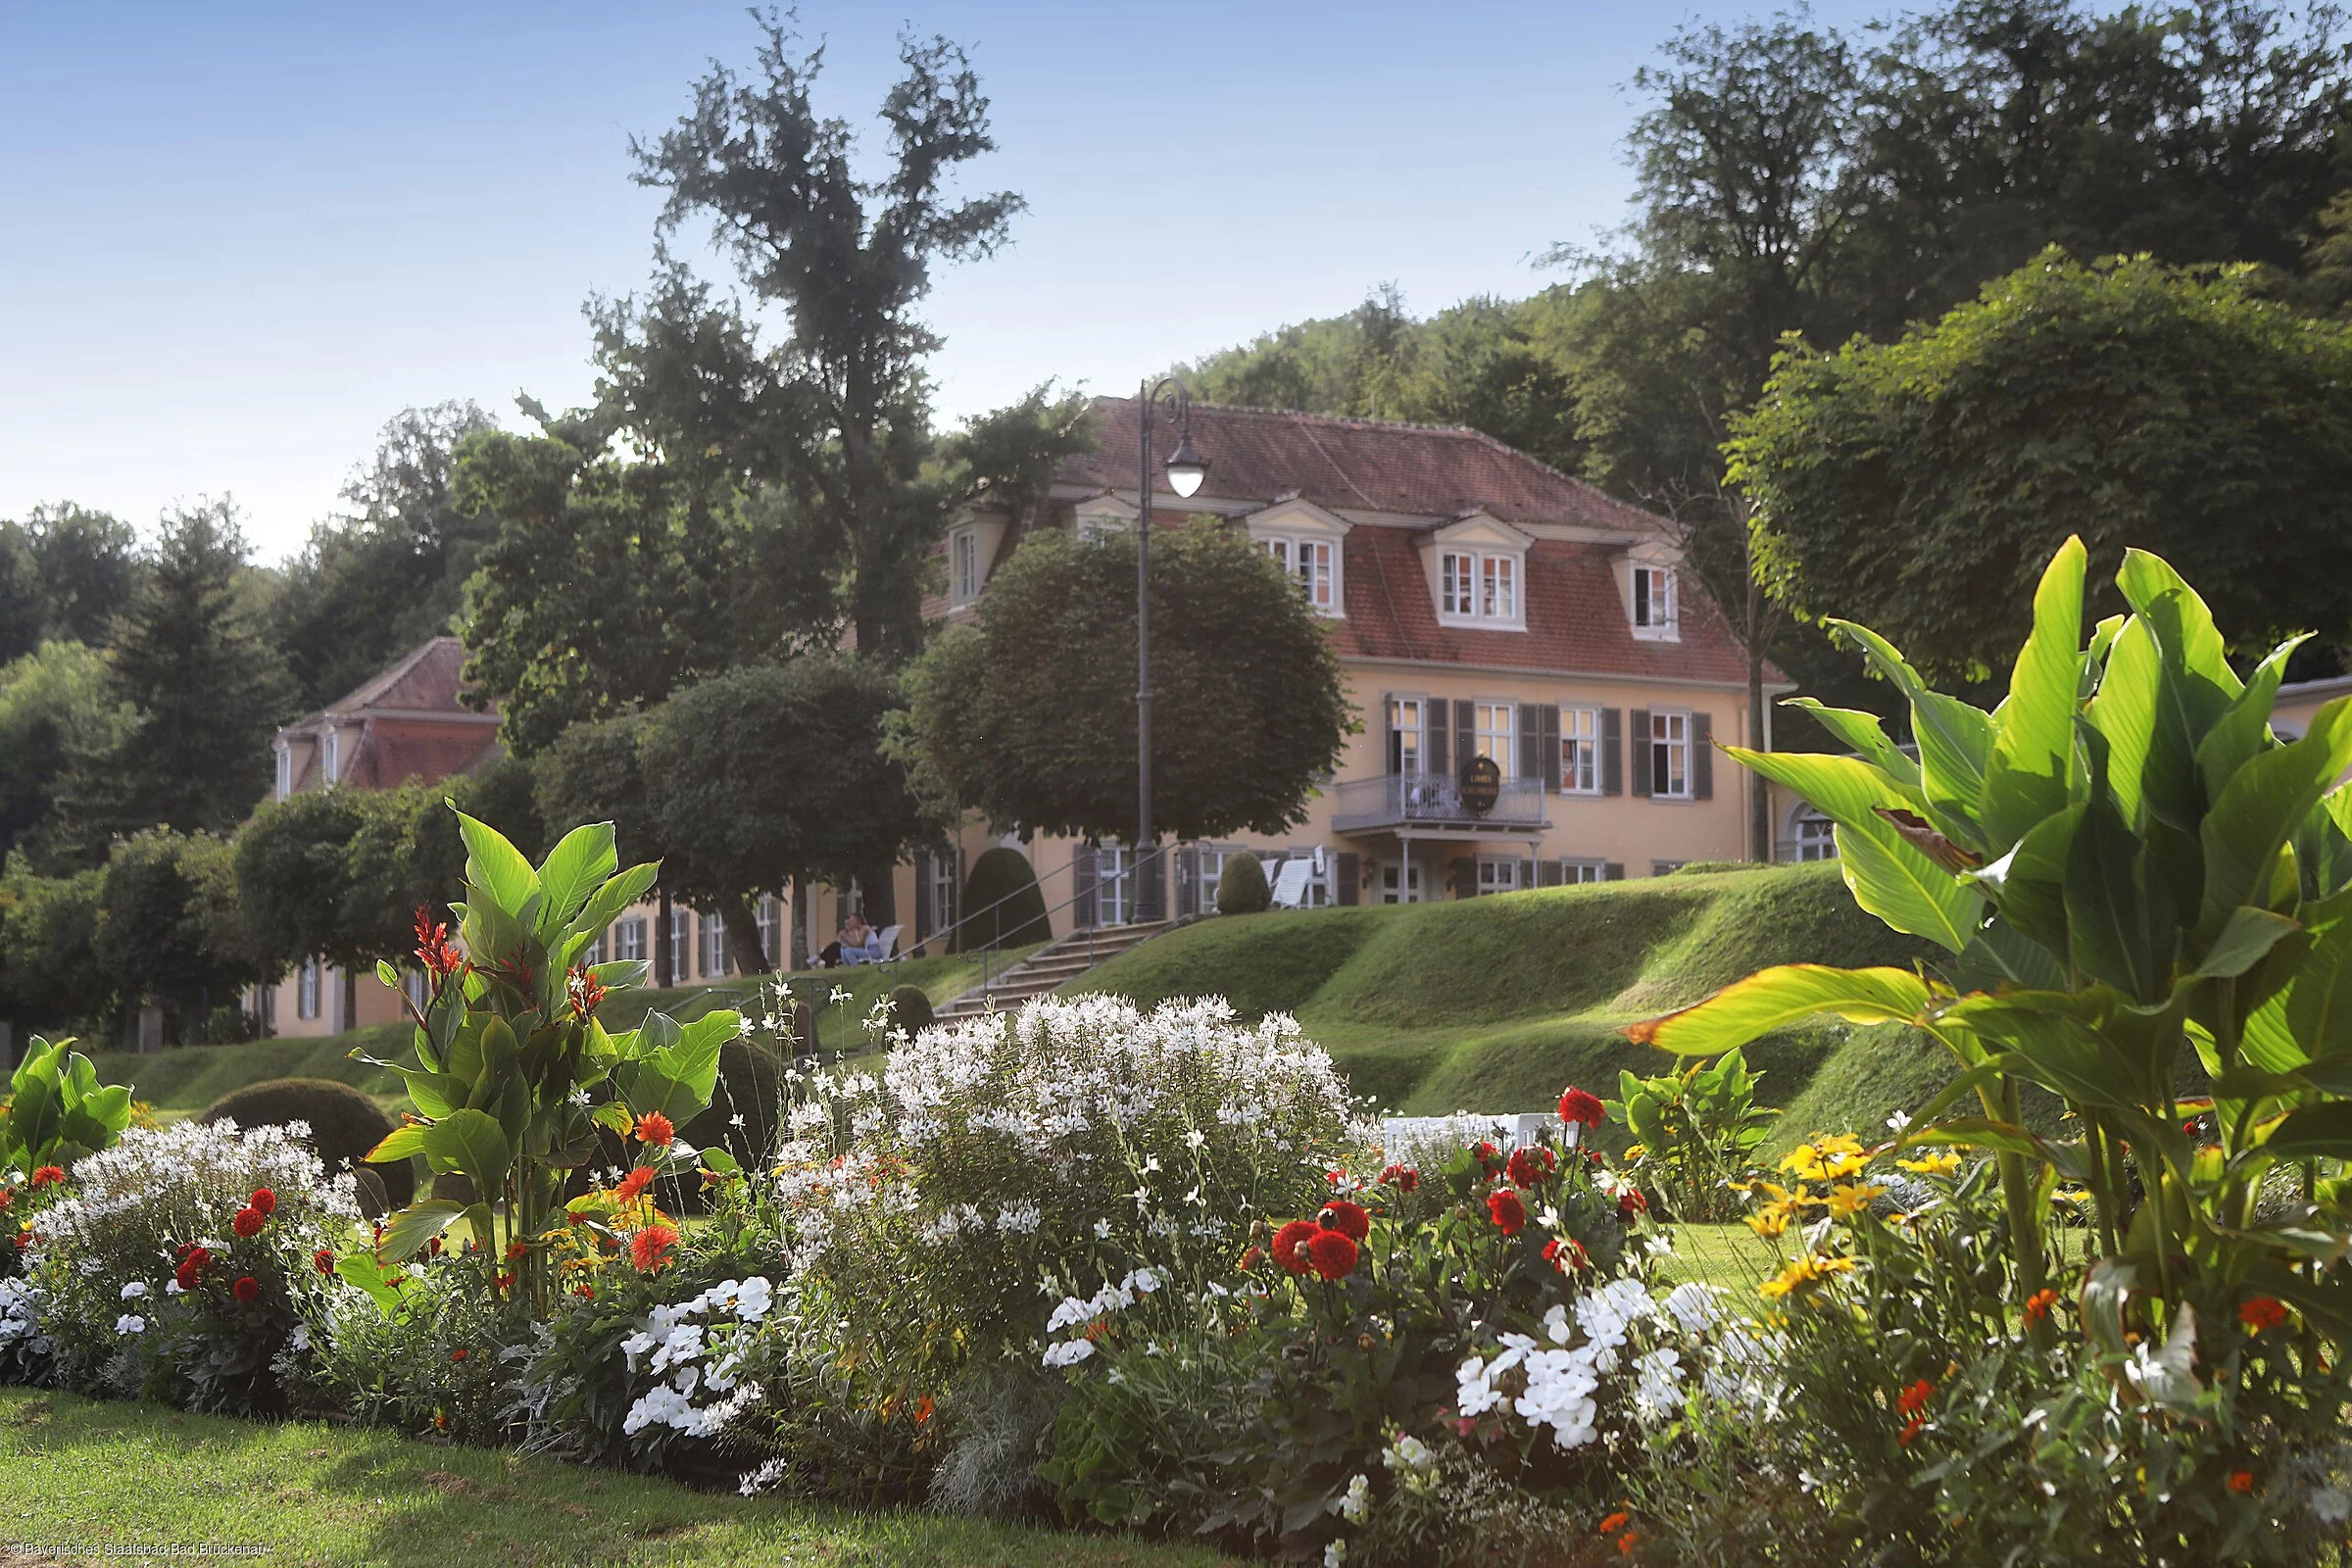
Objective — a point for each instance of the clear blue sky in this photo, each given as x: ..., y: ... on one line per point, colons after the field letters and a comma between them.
x: 236, y: 237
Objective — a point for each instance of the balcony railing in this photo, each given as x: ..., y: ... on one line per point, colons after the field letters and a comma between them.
x: 1398, y: 800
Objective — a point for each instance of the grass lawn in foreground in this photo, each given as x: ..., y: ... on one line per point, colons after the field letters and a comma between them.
x: 91, y: 1481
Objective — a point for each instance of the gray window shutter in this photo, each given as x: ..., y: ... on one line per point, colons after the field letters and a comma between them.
x: 841, y: 907
x: 1465, y: 734
x: 1702, y: 758
x: 1548, y: 745
x: 1641, y: 759
x: 1082, y: 873
x: 1347, y: 869
x: 924, y: 916
x: 1436, y: 728
x: 1465, y: 877
x: 1612, y: 751
x: 1613, y: 872
x: 1388, y: 732
x: 1530, y: 741
x: 1547, y: 873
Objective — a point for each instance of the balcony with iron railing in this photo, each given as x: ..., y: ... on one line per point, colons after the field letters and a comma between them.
x: 1433, y: 803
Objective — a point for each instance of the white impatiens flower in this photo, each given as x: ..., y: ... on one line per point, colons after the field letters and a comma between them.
x: 131, y: 1323
x: 1658, y: 1383
x: 1068, y: 1352
x: 1693, y: 1305
x: 135, y: 1289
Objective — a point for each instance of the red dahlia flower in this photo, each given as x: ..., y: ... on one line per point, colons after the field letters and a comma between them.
x: 1914, y: 1398
x: 1331, y: 1253
x: 1566, y: 1252
x: 1530, y: 1165
x: 247, y: 1289
x: 634, y: 1183
x: 1576, y: 1105
x: 248, y: 1222
x: 1289, y: 1244
x: 324, y: 1261
x: 1630, y: 1201
x: 460, y: 1355
x: 2241, y: 1482
x: 48, y: 1176
x: 1489, y: 1159
x: 650, y: 1248
x: 2260, y: 1312
x: 1405, y: 1177
x: 1348, y: 1219
x: 263, y: 1201
x: 655, y: 1129
x: 2039, y: 1304
x: 1509, y: 1215
x: 8, y: 1195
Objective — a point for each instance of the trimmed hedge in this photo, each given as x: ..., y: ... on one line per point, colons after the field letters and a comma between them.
x: 910, y: 1010
x: 1242, y: 887
x: 1002, y: 884
x: 344, y: 1125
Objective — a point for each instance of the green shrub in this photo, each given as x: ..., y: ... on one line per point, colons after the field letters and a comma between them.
x: 344, y: 1125
x: 750, y: 1090
x: 1242, y: 886
x: 1003, y: 903
x: 910, y: 1010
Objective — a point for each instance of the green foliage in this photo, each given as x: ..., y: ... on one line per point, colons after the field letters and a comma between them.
x: 169, y: 931
x: 345, y: 1124
x: 65, y: 574
x: 208, y: 689
x: 50, y: 975
x: 55, y: 705
x: 1028, y: 715
x: 1699, y: 1130
x: 2156, y: 409
x: 57, y: 1110
x: 911, y: 1008
x: 515, y: 1074
x: 1003, y: 904
x: 1242, y: 887
x: 2126, y: 868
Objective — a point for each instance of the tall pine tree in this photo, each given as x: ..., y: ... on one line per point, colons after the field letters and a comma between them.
x: 208, y: 688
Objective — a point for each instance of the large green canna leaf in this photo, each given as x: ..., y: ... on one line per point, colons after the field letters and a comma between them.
x: 573, y: 871
x: 416, y: 1225
x: 2243, y: 730
x: 694, y: 1059
x: 2121, y: 921
x: 469, y: 1143
x: 2182, y: 620
x: 1889, y: 876
x: 2260, y: 809
x: 1865, y: 735
x: 2307, y: 1015
x: 1956, y: 743
x: 497, y: 867
x: 2123, y: 712
x: 1773, y: 999
x: 401, y: 1142
x: 2313, y: 1132
x: 617, y: 893
x: 2055, y: 1049
x: 2024, y: 777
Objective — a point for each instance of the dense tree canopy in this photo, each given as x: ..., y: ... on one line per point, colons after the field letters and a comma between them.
x: 56, y: 704
x: 1028, y: 716
x: 65, y: 574
x: 1914, y: 484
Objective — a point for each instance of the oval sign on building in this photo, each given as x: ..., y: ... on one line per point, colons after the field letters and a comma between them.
x: 1480, y: 785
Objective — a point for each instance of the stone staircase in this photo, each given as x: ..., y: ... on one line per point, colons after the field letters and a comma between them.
x: 1049, y: 968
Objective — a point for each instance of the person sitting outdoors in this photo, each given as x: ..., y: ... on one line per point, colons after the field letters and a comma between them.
x: 856, y: 943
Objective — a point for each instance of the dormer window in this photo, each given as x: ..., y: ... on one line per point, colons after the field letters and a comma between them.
x: 328, y: 756
x: 285, y: 771
x: 1654, y: 606
x: 964, y: 567
x: 1094, y: 525
x: 1477, y: 586
x: 1314, y: 564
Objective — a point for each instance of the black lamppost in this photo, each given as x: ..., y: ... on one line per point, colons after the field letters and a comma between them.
x: 1186, y: 470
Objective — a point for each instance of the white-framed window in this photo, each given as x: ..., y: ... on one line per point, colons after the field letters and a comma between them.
x: 1399, y: 882
x: 1498, y: 729
x: 1114, y: 885
x: 306, y: 990
x: 1580, y: 751
x: 1816, y: 837
x: 715, y: 947
x: 628, y: 938
x: 1496, y: 875
x: 1312, y: 563
x: 963, y: 566
x: 1475, y: 586
x: 1404, y: 736
x: 1654, y: 606
x: 1575, y: 873
x: 600, y: 951
x: 941, y: 868
x: 286, y: 772
x: 1670, y: 756
x: 329, y: 748
x: 1093, y: 525
x: 767, y: 915
x: 680, y: 928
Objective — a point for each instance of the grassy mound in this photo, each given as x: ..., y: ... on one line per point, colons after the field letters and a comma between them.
x: 1493, y: 1003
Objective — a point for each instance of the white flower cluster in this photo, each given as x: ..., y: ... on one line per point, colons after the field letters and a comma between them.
x: 692, y: 1358
x: 1075, y: 1310
x: 21, y: 1318
x: 193, y: 1174
x: 1563, y: 1382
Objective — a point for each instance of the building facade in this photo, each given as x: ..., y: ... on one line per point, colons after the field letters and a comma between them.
x: 1484, y: 606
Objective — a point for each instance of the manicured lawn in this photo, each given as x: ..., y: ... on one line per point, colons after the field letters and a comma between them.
x: 1495, y: 1004
x: 84, y: 1481
x: 1730, y: 1255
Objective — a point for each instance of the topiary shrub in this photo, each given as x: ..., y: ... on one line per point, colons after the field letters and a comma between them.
x: 344, y: 1125
x: 1003, y: 903
x: 1242, y: 887
x: 910, y: 1010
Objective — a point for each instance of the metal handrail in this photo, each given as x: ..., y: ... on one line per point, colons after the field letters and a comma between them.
x: 993, y: 950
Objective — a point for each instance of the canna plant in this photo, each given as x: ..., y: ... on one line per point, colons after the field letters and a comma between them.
x: 1697, y: 1131
x: 2146, y: 898
x: 57, y: 1111
x: 514, y: 1077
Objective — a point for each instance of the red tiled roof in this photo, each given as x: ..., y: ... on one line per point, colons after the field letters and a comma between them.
x: 393, y: 752
x: 1574, y: 616
x: 426, y: 681
x: 1423, y: 470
